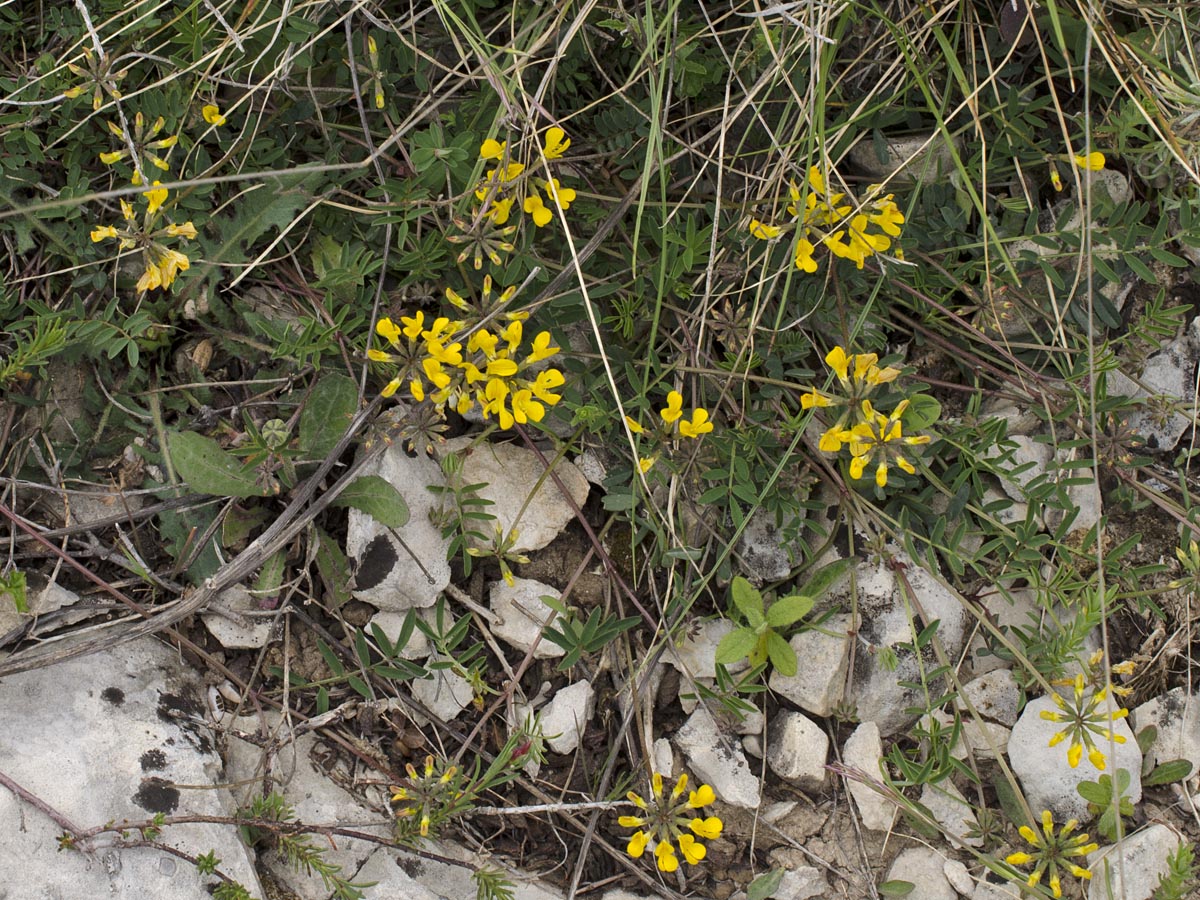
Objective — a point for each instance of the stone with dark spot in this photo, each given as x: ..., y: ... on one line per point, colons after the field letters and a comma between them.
x: 157, y: 796
x: 375, y: 564
x: 153, y: 760
x: 113, y: 695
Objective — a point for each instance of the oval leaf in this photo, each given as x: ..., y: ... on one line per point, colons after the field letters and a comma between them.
x: 1168, y: 773
x: 330, y: 407
x: 377, y: 498
x: 788, y: 610
x: 781, y: 654
x: 896, y: 888
x: 738, y: 644
x: 765, y: 885
x: 747, y: 600
x: 826, y: 577
x: 208, y: 469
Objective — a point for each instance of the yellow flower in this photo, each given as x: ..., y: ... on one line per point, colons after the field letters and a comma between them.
x: 100, y: 232
x: 1085, y: 718
x: 539, y: 211
x: 664, y: 852
x: 1094, y: 161
x: 525, y: 408
x: 646, y: 463
x: 634, y: 426
x: 674, y: 408
x: 1050, y: 851
x: 151, y: 279
x: 804, y: 256
x: 113, y: 156
x: 710, y: 828
x: 698, y: 799
x: 557, y: 143
x: 156, y: 196
x: 763, y: 231
x: 562, y: 197
x: 693, y: 851
x: 697, y: 426
x: 186, y: 230
x: 637, y: 844
x: 501, y: 209
x: 541, y: 349
x: 492, y: 149
x: 212, y: 114
x: 545, y: 383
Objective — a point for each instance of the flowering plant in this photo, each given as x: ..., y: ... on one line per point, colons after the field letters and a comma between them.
x: 667, y: 821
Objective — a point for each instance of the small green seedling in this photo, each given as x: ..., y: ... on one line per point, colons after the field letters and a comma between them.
x: 760, y: 638
x: 1108, y: 798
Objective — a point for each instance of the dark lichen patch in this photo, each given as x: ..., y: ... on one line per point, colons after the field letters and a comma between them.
x: 153, y: 761
x: 375, y: 564
x: 171, y: 705
x: 113, y: 695
x: 412, y: 867
x: 157, y: 796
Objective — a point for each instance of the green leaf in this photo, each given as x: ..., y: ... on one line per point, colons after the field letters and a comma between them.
x: 788, y: 610
x: 361, y: 686
x: 1146, y: 738
x: 208, y: 469
x: 334, y: 569
x: 765, y: 885
x: 781, y: 654
x: 1168, y: 773
x: 748, y: 601
x: 330, y: 407
x: 1094, y: 793
x: 376, y: 497
x: 736, y: 645
x: 826, y: 577
x: 13, y: 587
x: 922, y: 412
x: 896, y: 888
x: 270, y: 576
x: 331, y: 659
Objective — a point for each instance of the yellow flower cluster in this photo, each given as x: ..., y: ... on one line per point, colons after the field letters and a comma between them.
x: 671, y: 416
x: 1083, y: 715
x: 672, y: 821
x: 145, y: 141
x: 162, y: 263
x: 874, y: 439
x: 509, y: 182
x: 447, y: 363
x: 1052, y: 850
x: 428, y: 800
x: 826, y: 219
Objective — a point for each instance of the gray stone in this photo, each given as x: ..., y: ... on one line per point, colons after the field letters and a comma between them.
x: 924, y: 868
x: 994, y: 695
x: 987, y: 890
x: 1132, y: 868
x: 96, y: 739
x: 959, y: 877
x: 903, y: 160
x: 821, y: 660
x: 566, y: 716
x: 714, y: 761
x: 694, y: 656
x: 802, y: 883
x: 521, y: 615
x: 952, y: 811
x: 1169, y: 373
x: 764, y: 554
x: 385, y: 575
x: 797, y: 748
x: 251, y: 632
x: 1047, y: 779
x: 524, y: 495
x: 864, y: 751
x: 886, y: 620
x: 1177, y: 717
x: 445, y: 695
x: 1007, y: 609
x: 49, y: 599
x: 984, y: 739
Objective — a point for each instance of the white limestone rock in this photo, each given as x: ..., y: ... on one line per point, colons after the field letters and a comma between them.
x: 524, y: 496
x: 49, y: 599
x: 716, y: 762
x: 878, y: 689
x: 521, y: 614
x: 959, y: 877
x: 1143, y: 862
x: 864, y: 751
x: 822, y: 655
x: 924, y: 868
x: 1176, y: 715
x: 565, y: 717
x: 802, y: 883
x: 385, y: 575
x: 994, y: 695
x: 106, y: 738
x: 392, y: 623
x: 797, y: 749
x: 1047, y: 779
x: 445, y: 695
x: 695, y: 655
x: 231, y: 634
x: 1171, y: 372
x: 952, y: 811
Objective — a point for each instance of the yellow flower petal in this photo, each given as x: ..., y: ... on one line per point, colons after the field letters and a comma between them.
x: 212, y: 114
x: 1094, y: 161
x: 637, y: 844
x: 763, y: 231
x: 704, y: 796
